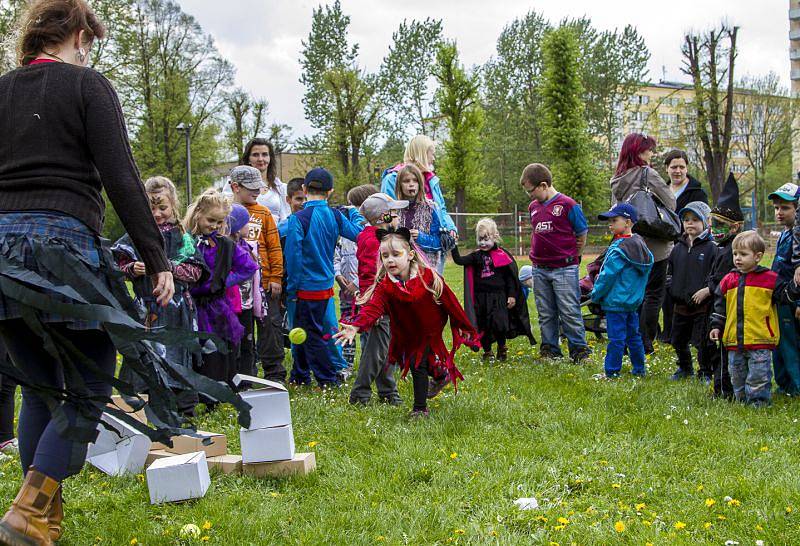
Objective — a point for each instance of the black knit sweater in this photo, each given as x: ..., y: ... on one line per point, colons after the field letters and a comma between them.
x: 62, y: 140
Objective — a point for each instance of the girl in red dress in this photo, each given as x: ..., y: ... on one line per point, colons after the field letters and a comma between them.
x: 419, y: 304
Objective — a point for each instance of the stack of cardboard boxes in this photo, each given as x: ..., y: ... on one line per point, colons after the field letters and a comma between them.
x: 268, y: 444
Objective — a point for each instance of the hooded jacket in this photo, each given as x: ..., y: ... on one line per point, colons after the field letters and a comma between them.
x: 689, y: 266
x: 744, y: 308
x: 628, y: 183
x: 622, y: 280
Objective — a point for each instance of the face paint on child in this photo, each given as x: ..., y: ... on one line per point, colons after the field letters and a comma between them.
x: 161, y: 208
x: 485, y: 242
x: 396, y: 257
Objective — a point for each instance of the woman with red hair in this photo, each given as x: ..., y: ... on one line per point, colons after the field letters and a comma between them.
x: 632, y: 174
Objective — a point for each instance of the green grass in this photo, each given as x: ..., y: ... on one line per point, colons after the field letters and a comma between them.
x: 648, y: 453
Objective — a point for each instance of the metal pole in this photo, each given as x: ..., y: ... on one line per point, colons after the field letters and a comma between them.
x: 188, y: 164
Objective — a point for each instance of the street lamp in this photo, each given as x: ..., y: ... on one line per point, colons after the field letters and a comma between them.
x: 186, y: 129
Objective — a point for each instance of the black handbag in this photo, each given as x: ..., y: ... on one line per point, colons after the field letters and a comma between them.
x: 656, y: 220
x: 448, y: 241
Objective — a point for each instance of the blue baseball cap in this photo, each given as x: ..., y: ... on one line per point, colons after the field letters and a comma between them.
x: 323, y: 179
x: 623, y: 209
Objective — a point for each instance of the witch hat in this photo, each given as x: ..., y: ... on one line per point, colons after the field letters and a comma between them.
x: 728, y: 202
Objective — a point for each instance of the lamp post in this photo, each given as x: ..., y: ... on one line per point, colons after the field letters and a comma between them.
x: 186, y: 129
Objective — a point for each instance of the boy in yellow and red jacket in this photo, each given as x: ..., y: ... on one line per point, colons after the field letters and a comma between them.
x: 746, y: 320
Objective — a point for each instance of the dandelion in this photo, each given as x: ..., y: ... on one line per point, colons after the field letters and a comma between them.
x: 734, y: 502
x: 789, y: 509
x: 551, y: 543
x: 380, y: 538
x: 721, y: 517
x: 648, y: 544
x: 764, y: 449
x: 541, y: 518
x: 619, y: 527
x: 312, y: 444
x: 274, y: 495
x: 759, y: 528
x: 710, y: 502
x: 699, y: 487
x: 206, y: 525
x: 205, y: 538
x: 459, y: 531
x: 134, y: 541
x: 640, y: 506
x: 680, y: 525
x: 615, y: 486
x: 562, y: 520
x: 707, y: 525
x: 454, y: 455
x: 559, y: 527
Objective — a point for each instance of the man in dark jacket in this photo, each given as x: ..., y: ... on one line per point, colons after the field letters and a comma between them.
x: 686, y: 190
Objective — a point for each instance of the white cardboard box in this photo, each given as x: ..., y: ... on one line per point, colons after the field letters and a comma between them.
x: 267, y: 444
x: 178, y: 478
x: 124, y: 452
x: 270, y: 404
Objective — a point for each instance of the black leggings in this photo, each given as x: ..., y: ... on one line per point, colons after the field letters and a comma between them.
x: 40, y: 445
x: 419, y: 377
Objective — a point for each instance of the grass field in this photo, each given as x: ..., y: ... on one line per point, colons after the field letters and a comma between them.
x: 634, y: 461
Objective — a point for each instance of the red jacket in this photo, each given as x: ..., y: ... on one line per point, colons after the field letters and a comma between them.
x: 417, y: 324
x: 368, y: 254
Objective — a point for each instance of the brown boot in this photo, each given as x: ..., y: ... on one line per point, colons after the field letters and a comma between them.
x: 56, y: 515
x: 26, y: 523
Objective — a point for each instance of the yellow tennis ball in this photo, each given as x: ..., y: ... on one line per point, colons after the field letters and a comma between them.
x: 297, y: 336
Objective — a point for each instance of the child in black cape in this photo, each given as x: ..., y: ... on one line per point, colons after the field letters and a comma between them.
x: 493, y: 296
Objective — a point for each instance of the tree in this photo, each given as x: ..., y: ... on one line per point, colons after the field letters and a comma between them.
x: 512, y: 133
x: 458, y: 101
x: 341, y: 100
x: 174, y: 74
x: 566, y: 137
x: 10, y: 11
x: 405, y: 73
x: 763, y: 126
x: 247, y: 119
x: 280, y: 135
x: 709, y: 59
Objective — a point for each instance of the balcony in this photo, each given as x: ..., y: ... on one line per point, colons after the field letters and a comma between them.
x: 795, y: 74
x: 794, y: 14
x: 794, y: 34
x: 794, y: 54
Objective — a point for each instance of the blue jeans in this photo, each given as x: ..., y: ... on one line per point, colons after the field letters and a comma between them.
x: 751, y: 375
x: 313, y: 355
x: 558, y: 302
x: 623, y: 331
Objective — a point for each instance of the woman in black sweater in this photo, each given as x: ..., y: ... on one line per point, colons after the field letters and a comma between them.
x: 64, y: 311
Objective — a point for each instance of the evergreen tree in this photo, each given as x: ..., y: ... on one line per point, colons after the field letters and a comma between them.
x: 564, y: 129
x: 462, y: 165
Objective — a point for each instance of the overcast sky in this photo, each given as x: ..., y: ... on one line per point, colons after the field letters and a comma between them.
x: 262, y: 37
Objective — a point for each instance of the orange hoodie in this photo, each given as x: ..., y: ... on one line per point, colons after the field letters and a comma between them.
x: 264, y: 232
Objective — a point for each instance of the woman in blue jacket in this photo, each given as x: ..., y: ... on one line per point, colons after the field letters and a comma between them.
x: 420, y: 152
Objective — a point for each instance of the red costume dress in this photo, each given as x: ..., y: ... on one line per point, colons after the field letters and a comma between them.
x: 417, y: 322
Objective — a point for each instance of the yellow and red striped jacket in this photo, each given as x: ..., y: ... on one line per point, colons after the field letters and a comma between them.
x: 745, y: 308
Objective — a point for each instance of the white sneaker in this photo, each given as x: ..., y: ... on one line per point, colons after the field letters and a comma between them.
x: 10, y: 447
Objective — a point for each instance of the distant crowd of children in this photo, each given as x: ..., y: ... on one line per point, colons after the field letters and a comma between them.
x: 246, y: 274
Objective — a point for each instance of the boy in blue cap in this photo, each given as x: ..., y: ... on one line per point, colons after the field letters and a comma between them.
x: 689, y: 265
x: 619, y: 289
x: 311, y: 236
x: 786, y: 356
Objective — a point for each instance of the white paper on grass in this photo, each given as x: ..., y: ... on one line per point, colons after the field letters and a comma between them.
x: 527, y: 503
x: 267, y: 444
x: 123, y: 452
x: 270, y: 404
x: 178, y: 478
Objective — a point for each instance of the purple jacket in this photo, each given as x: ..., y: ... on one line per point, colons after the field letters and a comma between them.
x: 214, y: 313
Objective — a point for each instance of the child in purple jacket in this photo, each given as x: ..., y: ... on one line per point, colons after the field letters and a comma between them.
x: 230, y: 265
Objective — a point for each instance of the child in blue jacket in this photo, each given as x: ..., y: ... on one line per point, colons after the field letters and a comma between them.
x: 311, y: 236
x: 619, y: 289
